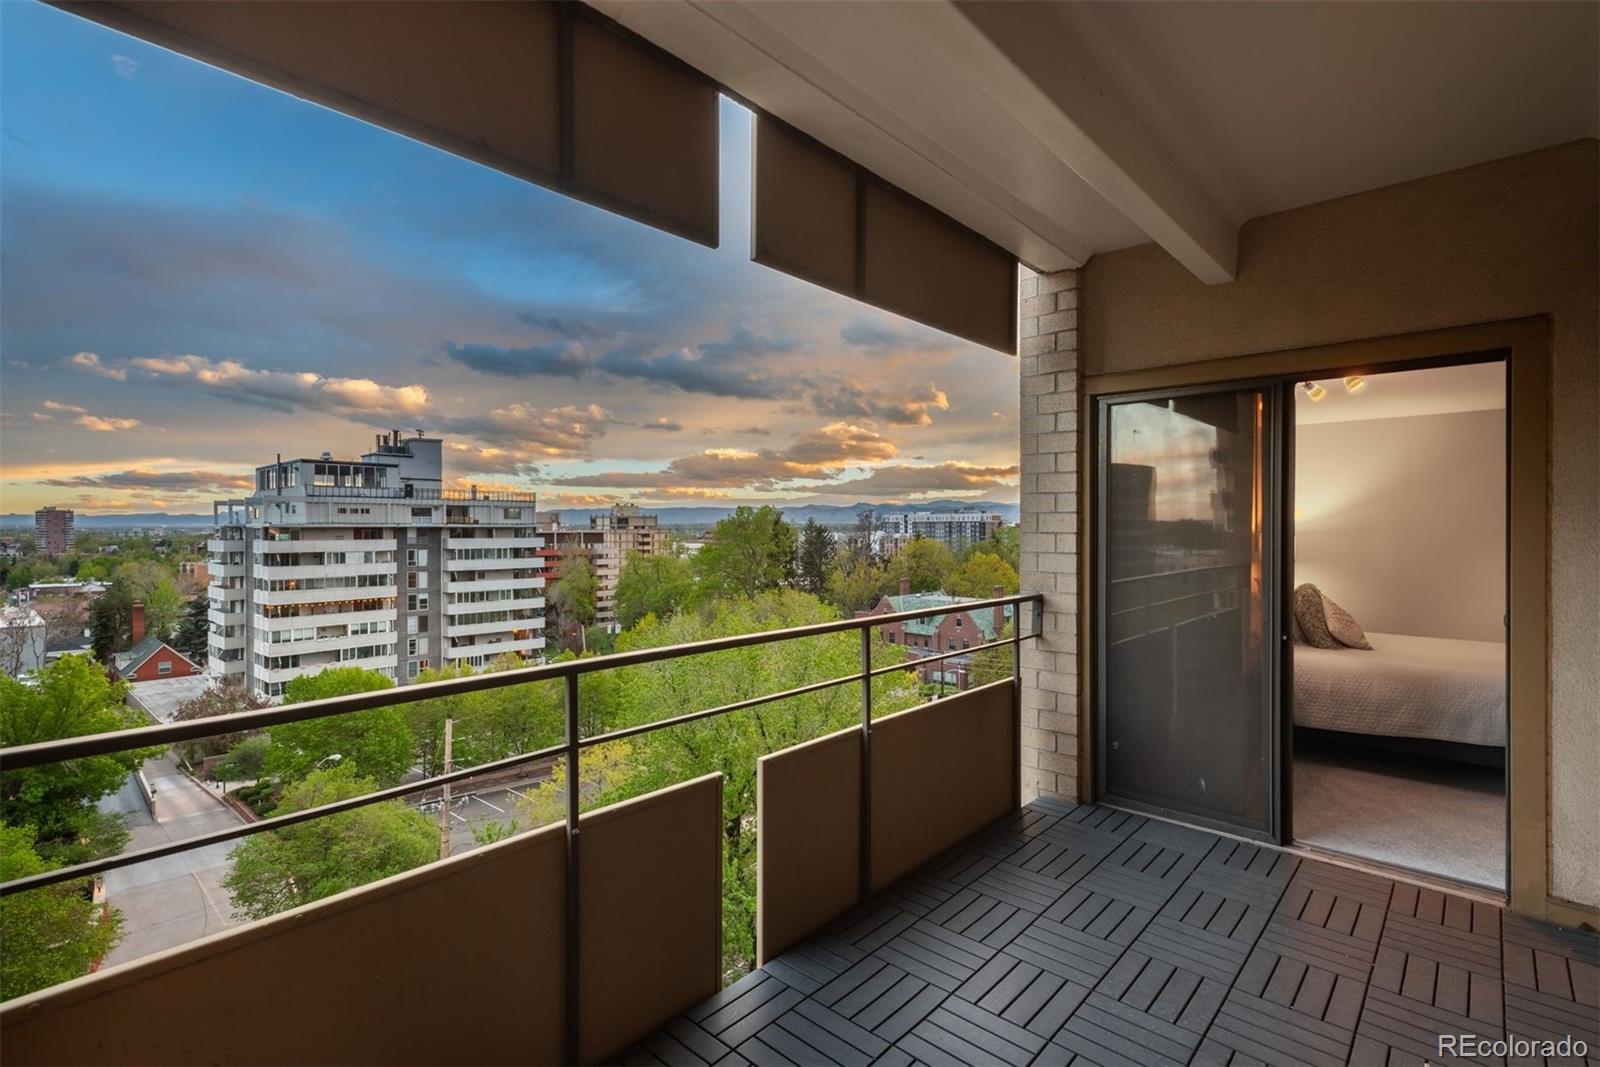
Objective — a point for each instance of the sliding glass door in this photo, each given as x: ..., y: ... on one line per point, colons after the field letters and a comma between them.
x: 1187, y: 638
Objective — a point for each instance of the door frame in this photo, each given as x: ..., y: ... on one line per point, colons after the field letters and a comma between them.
x: 1275, y: 573
x: 1524, y: 344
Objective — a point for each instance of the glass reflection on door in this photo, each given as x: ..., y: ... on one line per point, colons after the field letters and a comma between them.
x: 1186, y: 685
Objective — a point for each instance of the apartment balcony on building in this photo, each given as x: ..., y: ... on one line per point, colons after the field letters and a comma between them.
x: 1302, y: 300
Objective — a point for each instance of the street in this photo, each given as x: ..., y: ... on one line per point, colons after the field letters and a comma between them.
x: 175, y: 899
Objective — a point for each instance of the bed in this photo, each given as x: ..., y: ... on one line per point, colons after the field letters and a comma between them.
x: 1429, y: 688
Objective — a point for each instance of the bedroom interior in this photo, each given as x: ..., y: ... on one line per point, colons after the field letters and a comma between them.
x: 1399, y: 658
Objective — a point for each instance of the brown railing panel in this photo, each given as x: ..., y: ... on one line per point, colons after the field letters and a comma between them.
x: 650, y: 912
x: 454, y: 963
x: 808, y: 809
x: 940, y: 772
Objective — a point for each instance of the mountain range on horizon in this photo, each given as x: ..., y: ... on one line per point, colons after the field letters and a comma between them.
x: 827, y: 514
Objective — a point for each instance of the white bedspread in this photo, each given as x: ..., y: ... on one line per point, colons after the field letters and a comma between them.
x: 1428, y: 687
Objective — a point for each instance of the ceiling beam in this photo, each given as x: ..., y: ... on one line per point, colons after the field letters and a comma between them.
x: 1055, y: 87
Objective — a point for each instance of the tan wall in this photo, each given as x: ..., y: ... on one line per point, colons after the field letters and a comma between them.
x: 808, y: 841
x: 650, y: 912
x: 1403, y: 521
x: 459, y: 962
x: 1503, y: 240
x: 940, y: 772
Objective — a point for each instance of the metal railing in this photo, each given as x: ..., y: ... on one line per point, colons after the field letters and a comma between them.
x: 570, y: 671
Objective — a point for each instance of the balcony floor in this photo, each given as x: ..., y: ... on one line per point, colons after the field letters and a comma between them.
x: 1083, y: 935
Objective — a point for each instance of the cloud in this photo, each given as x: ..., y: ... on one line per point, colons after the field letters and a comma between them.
x: 91, y: 363
x: 577, y: 500
x: 105, y: 424
x: 138, y: 479
x: 688, y: 492
x: 906, y: 480
x: 525, y: 431
x: 909, y: 408
x: 663, y: 424
x: 821, y: 453
x: 81, y: 416
x: 288, y: 390
x: 877, y: 335
x: 125, y: 67
x: 562, y: 359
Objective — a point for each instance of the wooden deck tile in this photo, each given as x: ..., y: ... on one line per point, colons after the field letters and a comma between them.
x: 1083, y: 936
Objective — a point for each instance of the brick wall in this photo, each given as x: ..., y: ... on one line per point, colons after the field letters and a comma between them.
x: 1049, y: 448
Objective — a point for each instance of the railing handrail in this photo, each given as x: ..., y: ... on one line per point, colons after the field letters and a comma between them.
x: 570, y: 749
x: 67, y: 748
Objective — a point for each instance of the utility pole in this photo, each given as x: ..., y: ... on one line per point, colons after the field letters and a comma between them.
x: 444, y: 807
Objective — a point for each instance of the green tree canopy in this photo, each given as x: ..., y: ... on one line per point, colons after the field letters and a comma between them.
x: 217, y: 701
x: 981, y: 574
x: 925, y: 561
x: 72, y: 698
x: 659, y: 585
x: 193, y: 637
x: 245, y: 762
x: 376, y: 743
x: 51, y: 934
x: 814, y: 558
x: 163, y: 607
x: 572, y: 599
x: 750, y: 551
x: 856, y: 583
x: 285, y: 868
x: 1005, y: 543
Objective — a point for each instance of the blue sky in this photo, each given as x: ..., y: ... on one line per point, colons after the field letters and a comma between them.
x: 199, y: 272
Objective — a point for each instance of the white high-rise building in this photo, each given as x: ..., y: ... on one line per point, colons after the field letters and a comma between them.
x: 371, y: 563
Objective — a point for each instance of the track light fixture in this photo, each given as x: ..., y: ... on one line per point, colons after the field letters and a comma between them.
x: 1314, y: 392
x: 1355, y: 383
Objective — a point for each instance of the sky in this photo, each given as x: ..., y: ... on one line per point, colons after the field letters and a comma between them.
x: 198, y: 273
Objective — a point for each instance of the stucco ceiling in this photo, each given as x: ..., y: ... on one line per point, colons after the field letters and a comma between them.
x: 1062, y: 129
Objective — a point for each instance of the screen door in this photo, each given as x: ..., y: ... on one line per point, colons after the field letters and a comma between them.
x: 1186, y: 636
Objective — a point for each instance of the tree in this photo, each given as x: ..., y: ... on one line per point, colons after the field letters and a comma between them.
x: 1006, y: 542
x: 64, y: 617
x: 375, y: 743
x: 109, y: 620
x: 216, y: 701
x: 652, y: 585
x: 750, y: 551
x: 572, y: 600
x: 163, y: 606
x: 245, y: 762
x: 71, y: 697
x: 926, y: 562
x: 815, y: 558
x: 193, y: 638
x: 856, y: 583
x: 275, y: 871
x: 51, y: 934
x: 981, y: 575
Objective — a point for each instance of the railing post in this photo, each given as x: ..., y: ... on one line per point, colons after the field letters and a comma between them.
x: 1016, y: 701
x: 866, y: 763
x: 573, y: 945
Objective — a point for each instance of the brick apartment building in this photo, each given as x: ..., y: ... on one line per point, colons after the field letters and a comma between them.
x: 52, y: 530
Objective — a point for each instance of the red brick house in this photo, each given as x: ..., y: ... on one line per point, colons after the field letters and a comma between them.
x: 149, y: 657
x: 951, y: 632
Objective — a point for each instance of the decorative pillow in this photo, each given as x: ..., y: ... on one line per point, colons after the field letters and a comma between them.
x: 1343, y: 625
x: 1313, y: 619
x: 1295, y: 634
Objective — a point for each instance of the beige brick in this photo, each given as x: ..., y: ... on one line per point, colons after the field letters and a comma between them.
x: 1028, y: 285
x: 1060, y: 281
x: 1038, y: 344
x: 1060, y: 762
x: 1039, y: 306
x: 1059, y: 321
